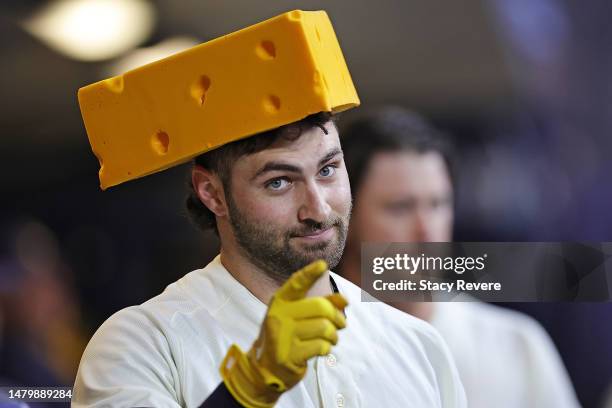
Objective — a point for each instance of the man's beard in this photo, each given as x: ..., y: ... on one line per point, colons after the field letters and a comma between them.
x: 270, y: 249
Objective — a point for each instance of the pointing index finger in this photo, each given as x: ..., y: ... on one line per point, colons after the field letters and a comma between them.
x: 301, y: 281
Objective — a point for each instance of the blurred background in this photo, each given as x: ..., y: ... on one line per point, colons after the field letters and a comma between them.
x: 524, y: 87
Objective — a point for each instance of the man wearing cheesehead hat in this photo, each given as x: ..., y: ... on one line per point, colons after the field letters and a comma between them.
x: 255, y: 110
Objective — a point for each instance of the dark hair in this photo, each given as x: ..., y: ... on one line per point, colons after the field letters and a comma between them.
x: 389, y: 129
x: 220, y: 160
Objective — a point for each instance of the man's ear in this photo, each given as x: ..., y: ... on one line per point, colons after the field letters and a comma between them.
x: 209, y: 189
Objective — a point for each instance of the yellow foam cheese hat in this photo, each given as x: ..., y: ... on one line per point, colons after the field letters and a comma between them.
x: 259, y: 78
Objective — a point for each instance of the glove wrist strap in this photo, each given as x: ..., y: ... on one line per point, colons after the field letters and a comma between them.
x: 251, y: 386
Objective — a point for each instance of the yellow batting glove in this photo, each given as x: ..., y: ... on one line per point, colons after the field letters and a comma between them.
x: 295, y: 329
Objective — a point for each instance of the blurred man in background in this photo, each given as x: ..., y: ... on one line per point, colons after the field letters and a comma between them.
x: 41, y: 335
x: 41, y: 331
x: 401, y: 179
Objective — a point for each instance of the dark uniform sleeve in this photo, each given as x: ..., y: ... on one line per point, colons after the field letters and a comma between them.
x: 220, y: 398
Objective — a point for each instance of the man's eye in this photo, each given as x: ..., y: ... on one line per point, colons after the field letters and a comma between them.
x: 327, y: 171
x: 441, y: 203
x: 277, y: 184
x: 402, y: 207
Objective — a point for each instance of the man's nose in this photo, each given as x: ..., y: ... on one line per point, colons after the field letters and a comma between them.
x: 421, y: 226
x: 315, y: 206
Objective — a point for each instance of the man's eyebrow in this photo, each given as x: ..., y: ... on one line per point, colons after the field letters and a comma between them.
x: 277, y: 166
x: 332, y: 153
x: 280, y: 166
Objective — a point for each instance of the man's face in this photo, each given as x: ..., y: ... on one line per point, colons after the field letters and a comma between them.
x: 290, y: 203
x: 404, y: 197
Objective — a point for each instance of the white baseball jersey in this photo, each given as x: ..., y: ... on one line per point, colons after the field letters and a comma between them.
x: 167, y: 352
x: 505, y: 358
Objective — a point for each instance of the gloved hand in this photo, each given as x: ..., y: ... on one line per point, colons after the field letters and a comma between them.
x: 295, y: 329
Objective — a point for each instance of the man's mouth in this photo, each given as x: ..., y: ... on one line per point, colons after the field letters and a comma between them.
x: 321, y: 234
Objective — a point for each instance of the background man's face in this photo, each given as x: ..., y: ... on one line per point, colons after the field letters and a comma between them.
x: 404, y: 197
x: 290, y: 203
